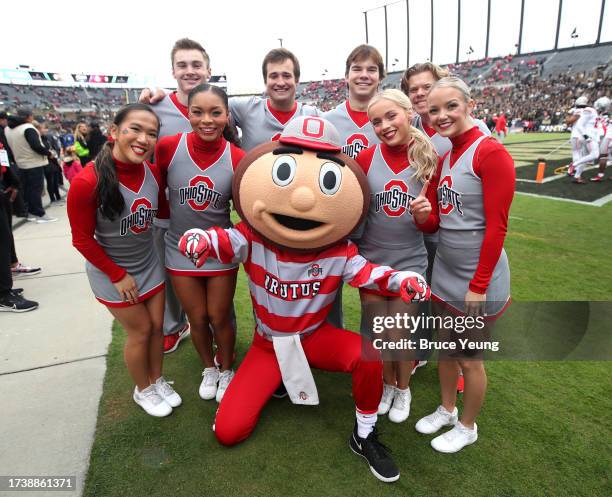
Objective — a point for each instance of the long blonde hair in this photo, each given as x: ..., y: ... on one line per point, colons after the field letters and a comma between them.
x: 421, y: 153
x: 77, y: 132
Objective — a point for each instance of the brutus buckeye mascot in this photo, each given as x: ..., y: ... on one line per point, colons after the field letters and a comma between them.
x: 299, y: 198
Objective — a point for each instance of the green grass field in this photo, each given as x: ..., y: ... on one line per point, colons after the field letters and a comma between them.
x: 544, y: 429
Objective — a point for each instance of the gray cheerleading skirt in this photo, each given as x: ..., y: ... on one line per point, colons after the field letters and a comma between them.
x: 149, y: 281
x: 401, y: 258
x: 454, y: 267
x: 178, y: 264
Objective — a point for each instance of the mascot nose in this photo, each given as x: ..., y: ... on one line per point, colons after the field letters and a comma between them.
x: 302, y: 199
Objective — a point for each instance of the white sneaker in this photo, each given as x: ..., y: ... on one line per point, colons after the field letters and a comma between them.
x: 455, y: 439
x: 45, y: 218
x: 386, y: 399
x: 224, y: 380
x: 436, y: 420
x: 166, y: 392
x: 152, y: 402
x: 401, y: 406
x: 208, y: 387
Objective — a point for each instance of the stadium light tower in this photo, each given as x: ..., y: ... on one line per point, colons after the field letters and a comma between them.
x: 431, y: 42
x: 387, y: 42
x: 407, y: 33
x: 488, y: 28
x: 601, y: 16
x: 558, y: 24
x: 281, y: 42
x: 520, y: 40
x: 458, y: 30
x: 365, y: 14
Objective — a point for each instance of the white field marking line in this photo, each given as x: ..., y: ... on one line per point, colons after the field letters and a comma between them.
x: 516, y: 217
x: 553, y: 178
x: 560, y: 146
x: 603, y: 200
x: 596, y: 203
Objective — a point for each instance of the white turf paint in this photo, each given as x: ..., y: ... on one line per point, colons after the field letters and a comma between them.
x: 553, y: 178
x: 596, y: 203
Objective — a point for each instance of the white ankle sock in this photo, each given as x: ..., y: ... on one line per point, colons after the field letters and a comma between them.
x: 365, y: 423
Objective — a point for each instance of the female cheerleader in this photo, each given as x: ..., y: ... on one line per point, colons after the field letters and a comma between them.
x: 397, y: 171
x: 111, y: 205
x: 469, y: 199
x: 198, y: 168
x: 416, y: 83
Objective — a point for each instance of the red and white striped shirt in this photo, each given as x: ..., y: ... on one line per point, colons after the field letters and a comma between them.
x: 293, y: 292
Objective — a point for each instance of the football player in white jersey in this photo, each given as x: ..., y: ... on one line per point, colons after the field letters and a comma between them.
x: 602, y: 106
x: 585, y: 138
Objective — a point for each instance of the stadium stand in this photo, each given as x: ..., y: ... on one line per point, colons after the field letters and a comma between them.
x: 535, y: 91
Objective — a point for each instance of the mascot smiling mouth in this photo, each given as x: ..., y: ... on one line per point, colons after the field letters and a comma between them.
x: 296, y: 223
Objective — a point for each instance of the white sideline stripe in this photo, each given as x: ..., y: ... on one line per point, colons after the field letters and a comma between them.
x: 596, y: 203
x: 603, y: 200
x: 553, y: 178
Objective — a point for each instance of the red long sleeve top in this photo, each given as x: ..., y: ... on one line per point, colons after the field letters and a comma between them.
x: 495, y: 167
x: 83, y: 205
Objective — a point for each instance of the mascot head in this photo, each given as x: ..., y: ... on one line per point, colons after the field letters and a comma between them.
x: 301, y: 192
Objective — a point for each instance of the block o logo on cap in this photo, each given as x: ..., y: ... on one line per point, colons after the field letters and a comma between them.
x: 311, y: 132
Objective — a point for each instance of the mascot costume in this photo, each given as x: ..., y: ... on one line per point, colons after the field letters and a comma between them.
x: 299, y: 198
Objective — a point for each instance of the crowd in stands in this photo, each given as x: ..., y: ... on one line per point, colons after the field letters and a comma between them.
x: 516, y: 86
x: 325, y: 94
x: 508, y: 85
x: 66, y: 98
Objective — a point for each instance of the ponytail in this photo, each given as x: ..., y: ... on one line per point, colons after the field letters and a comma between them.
x: 422, y: 155
x: 230, y: 133
x: 110, y: 199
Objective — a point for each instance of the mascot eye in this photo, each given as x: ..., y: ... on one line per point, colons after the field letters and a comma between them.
x: 330, y: 178
x: 283, y: 170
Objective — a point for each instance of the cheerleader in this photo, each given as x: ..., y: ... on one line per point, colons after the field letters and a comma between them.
x: 397, y: 171
x: 111, y: 205
x: 469, y: 199
x: 198, y: 168
x: 416, y: 83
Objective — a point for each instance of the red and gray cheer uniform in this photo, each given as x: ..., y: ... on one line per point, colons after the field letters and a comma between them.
x: 259, y: 122
x: 471, y: 196
x: 356, y: 131
x: 125, y: 244
x: 292, y: 293
x: 172, y: 116
x: 441, y: 144
x: 173, y: 120
x: 391, y: 236
x: 198, y: 175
